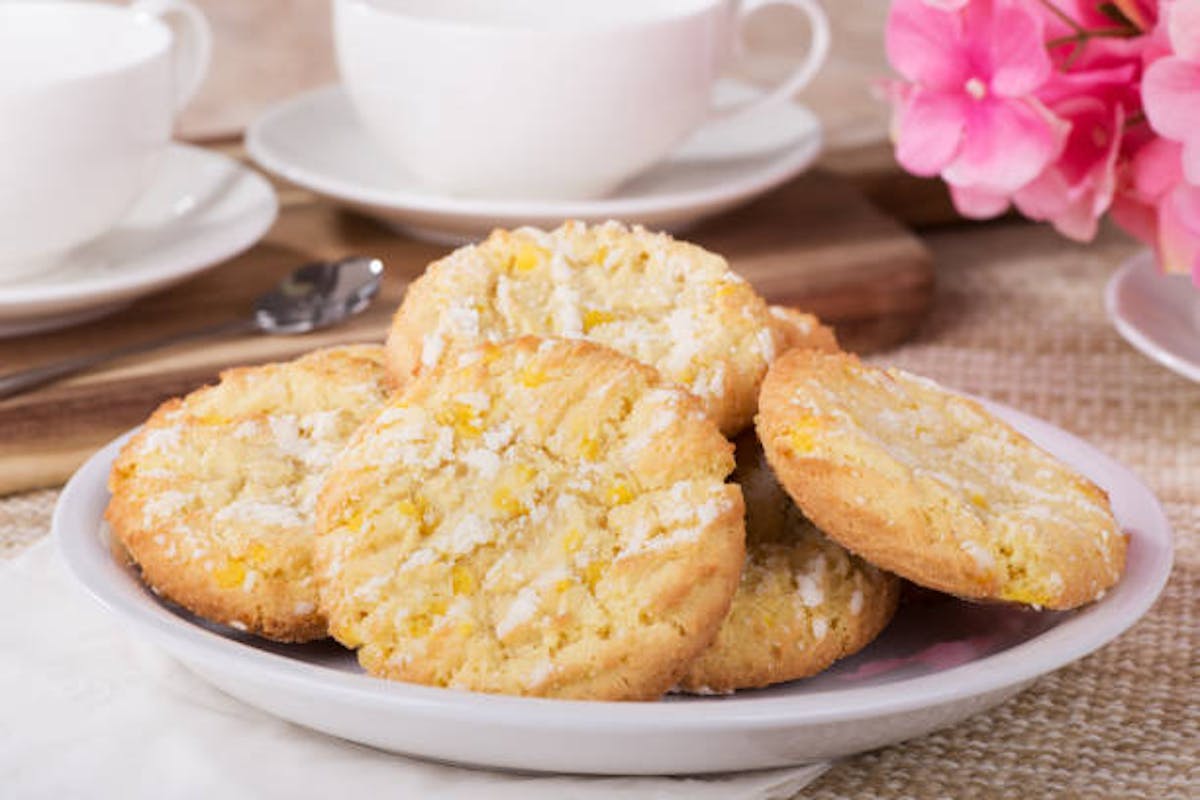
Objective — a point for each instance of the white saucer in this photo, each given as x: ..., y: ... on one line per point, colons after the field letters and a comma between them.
x: 202, y: 208
x: 939, y: 662
x: 1156, y: 313
x: 315, y: 140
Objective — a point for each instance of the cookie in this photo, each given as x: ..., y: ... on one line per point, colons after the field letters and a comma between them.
x: 927, y: 484
x: 214, y: 498
x: 510, y: 524
x: 667, y: 303
x: 795, y: 328
x: 803, y: 601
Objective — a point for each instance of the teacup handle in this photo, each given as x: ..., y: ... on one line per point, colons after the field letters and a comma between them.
x: 191, y: 48
x: 804, y: 72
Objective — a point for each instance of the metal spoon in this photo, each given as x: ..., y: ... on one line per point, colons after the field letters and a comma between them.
x: 314, y: 296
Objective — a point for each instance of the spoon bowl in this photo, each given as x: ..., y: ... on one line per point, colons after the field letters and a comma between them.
x: 319, y: 294
x: 313, y: 296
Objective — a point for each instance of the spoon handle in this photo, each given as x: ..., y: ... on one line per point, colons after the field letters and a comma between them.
x: 14, y: 383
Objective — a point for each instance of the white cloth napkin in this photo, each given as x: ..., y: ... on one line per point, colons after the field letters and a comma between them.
x: 88, y: 711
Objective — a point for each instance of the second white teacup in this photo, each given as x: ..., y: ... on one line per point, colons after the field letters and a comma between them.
x: 542, y: 99
x: 88, y: 93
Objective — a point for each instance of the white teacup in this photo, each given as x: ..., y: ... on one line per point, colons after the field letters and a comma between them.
x: 543, y: 99
x: 88, y: 93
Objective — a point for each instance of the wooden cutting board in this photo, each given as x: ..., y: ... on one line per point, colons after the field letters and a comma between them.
x: 815, y: 243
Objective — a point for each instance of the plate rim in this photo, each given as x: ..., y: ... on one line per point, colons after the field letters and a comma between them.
x: 1139, y: 267
x: 17, y: 298
x: 790, y: 163
x: 1062, y: 644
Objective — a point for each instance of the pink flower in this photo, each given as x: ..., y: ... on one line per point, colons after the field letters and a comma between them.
x: 1171, y: 86
x: 975, y: 203
x: 1072, y: 51
x: 1142, y: 182
x: 1179, y: 231
x: 969, y: 112
x: 1067, y: 109
x: 1159, y: 206
x: 1076, y: 189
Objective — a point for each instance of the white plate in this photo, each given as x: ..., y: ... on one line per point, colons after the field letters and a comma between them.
x: 315, y: 140
x: 202, y: 208
x: 939, y: 662
x: 1156, y: 313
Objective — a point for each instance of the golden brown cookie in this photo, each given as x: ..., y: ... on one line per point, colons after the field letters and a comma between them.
x: 795, y: 328
x: 803, y: 601
x: 214, y: 497
x: 929, y: 485
x: 667, y: 303
x: 542, y: 517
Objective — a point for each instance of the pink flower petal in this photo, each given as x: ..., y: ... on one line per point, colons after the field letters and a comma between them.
x: 1156, y: 44
x: 1049, y: 198
x: 1179, y: 230
x: 1101, y: 52
x: 1106, y: 84
x: 1005, y: 41
x: 1137, y: 218
x: 924, y: 45
x: 1094, y: 138
x: 1183, y: 26
x: 1171, y: 91
x: 1045, y: 197
x: 1155, y: 170
x: 1191, y: 160
x: 1077, y: 222
x: 1007, y: 143
x: 1077, y: 189
x: 976, y: 203
x: 929, y: 131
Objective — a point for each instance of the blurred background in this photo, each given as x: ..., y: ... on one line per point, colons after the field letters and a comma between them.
x: 286, y: 45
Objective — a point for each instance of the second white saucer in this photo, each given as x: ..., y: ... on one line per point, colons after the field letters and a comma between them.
x: 1156, y: 313
x: 201, y: 208
x: 315, y: 140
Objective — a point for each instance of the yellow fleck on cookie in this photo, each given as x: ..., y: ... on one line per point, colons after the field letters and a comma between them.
x: 667, y: 303
x: 542, y: 517
x: 929, y: 485
x: 795, y: 328
x: 214, y: 497
x: 803, y: 602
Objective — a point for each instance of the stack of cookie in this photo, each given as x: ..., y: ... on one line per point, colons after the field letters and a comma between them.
x: 533, y: 489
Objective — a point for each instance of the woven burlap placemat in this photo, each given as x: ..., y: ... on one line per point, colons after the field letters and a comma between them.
x: 1020, y: 319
